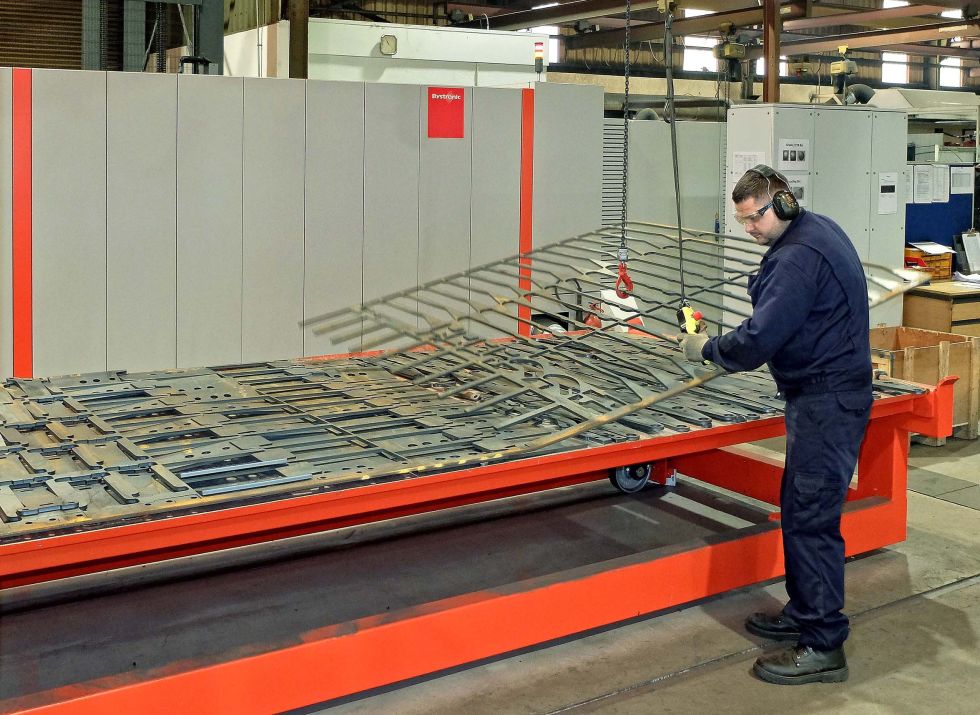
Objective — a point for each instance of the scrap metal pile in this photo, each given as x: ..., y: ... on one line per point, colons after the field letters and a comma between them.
x: 83, y: 450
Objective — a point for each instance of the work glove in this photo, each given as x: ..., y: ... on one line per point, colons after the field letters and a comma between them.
x: 692, y: 345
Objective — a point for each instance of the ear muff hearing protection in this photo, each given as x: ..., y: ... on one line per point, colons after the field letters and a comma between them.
x: 784, y: 203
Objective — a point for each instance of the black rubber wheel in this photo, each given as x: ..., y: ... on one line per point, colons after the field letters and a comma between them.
x: 631, y: 479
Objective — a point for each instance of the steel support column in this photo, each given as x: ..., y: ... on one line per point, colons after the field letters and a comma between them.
x: 299, y: 38
x: 770, y: 49
x: 210, y: 44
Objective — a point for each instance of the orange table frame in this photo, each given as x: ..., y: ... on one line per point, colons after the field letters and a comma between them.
x: 341, y: 659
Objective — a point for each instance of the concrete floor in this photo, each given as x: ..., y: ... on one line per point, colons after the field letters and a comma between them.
x: 915, y: 614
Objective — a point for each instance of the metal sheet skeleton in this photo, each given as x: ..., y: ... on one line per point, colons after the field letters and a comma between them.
x: 84, y: 450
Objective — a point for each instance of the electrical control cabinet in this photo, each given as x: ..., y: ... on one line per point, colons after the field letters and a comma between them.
x: 847, y: 163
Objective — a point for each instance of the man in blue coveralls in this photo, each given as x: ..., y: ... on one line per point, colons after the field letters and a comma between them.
x: 809, y: 323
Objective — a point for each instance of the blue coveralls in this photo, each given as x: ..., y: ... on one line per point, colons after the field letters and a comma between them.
x: 810, y: 324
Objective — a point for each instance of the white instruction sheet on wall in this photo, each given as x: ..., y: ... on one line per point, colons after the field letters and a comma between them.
x: 888, y: 192
x: 940, y: 183
x: 922, y: 175
x: 799, y: 184
x: 793, y: 155
x: 961, y: 179
x: 742, y: 161
x: 909, y: 191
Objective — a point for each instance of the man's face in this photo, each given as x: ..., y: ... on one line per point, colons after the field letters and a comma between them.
x: 759, y: 220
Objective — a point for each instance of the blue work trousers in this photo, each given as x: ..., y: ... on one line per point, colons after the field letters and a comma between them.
x: 823, y: 437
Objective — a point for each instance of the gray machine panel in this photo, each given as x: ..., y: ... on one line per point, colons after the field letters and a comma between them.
x: 496, y: 194
x: 886, y: 243
x: 69, y: 246
x: 6, y: 220
x: 444, y: 200
x: 567, y: 160
x: 272, y: 263
x: 750, y: 131
x: 209, y: 219
x: 496, y: 179
x: 334, y: 202
x: 141, y: 221
x: 753, y: 132
x: 391, y: 188
x: 651, y: 195
x: 841, y: 171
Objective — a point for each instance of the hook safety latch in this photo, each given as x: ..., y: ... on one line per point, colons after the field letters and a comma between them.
x: 624, y: 284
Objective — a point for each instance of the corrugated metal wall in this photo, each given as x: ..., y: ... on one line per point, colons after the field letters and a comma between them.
x: 36, y: 34
x: 49, y: 34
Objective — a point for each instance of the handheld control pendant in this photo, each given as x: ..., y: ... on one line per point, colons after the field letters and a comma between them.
x: 688, y: 318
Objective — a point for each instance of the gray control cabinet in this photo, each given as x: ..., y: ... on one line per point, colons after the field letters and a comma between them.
x: 844, y: 162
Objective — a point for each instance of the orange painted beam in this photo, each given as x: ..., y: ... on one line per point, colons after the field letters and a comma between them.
x: 342, y: 659
x: 22, y: 223
x: 526, y: 241
x: 739, y: 470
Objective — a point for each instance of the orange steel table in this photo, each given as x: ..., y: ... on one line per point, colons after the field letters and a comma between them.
x: 344, y: 658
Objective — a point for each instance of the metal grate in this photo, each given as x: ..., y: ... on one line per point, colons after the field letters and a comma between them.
x: 86, y: 450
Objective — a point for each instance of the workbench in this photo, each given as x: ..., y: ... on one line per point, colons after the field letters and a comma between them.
x: 946, y: 307
x: 302, y: 632
x: 108, y: 477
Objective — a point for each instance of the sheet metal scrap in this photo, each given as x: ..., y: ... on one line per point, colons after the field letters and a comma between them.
x: 81, y: 451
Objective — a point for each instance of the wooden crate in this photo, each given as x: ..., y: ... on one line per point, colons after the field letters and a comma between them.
x: 925, y: 356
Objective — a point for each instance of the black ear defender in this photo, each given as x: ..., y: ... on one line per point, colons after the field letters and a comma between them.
x: 784, y: 203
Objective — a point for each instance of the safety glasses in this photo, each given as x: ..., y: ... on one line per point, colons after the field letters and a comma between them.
x: 754, y: 216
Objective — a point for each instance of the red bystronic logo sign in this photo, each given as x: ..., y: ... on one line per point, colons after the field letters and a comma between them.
x: 446, y: 112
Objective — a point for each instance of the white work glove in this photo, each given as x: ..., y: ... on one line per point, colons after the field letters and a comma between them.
x: 692, y: 345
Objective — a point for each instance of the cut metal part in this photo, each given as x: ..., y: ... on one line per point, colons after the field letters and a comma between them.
x: 93, y: 450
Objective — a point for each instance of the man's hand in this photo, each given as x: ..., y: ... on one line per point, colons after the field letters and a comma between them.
x: 692, y: 345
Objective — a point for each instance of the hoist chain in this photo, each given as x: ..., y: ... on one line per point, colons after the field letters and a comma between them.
x: 624, y: 285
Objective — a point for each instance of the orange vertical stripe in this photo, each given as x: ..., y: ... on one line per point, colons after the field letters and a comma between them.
x: 527, y: 200
x: 23, y: 314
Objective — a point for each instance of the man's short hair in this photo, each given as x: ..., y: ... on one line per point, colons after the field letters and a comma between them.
x: 755, y: 185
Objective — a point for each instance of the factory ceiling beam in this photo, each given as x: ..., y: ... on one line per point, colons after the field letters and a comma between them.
x: 874, y: 18
x: 934, y: 50
x: 878, y: 38
x: 701, y: 25
x: 556, y: 14
x: 947, y: 4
